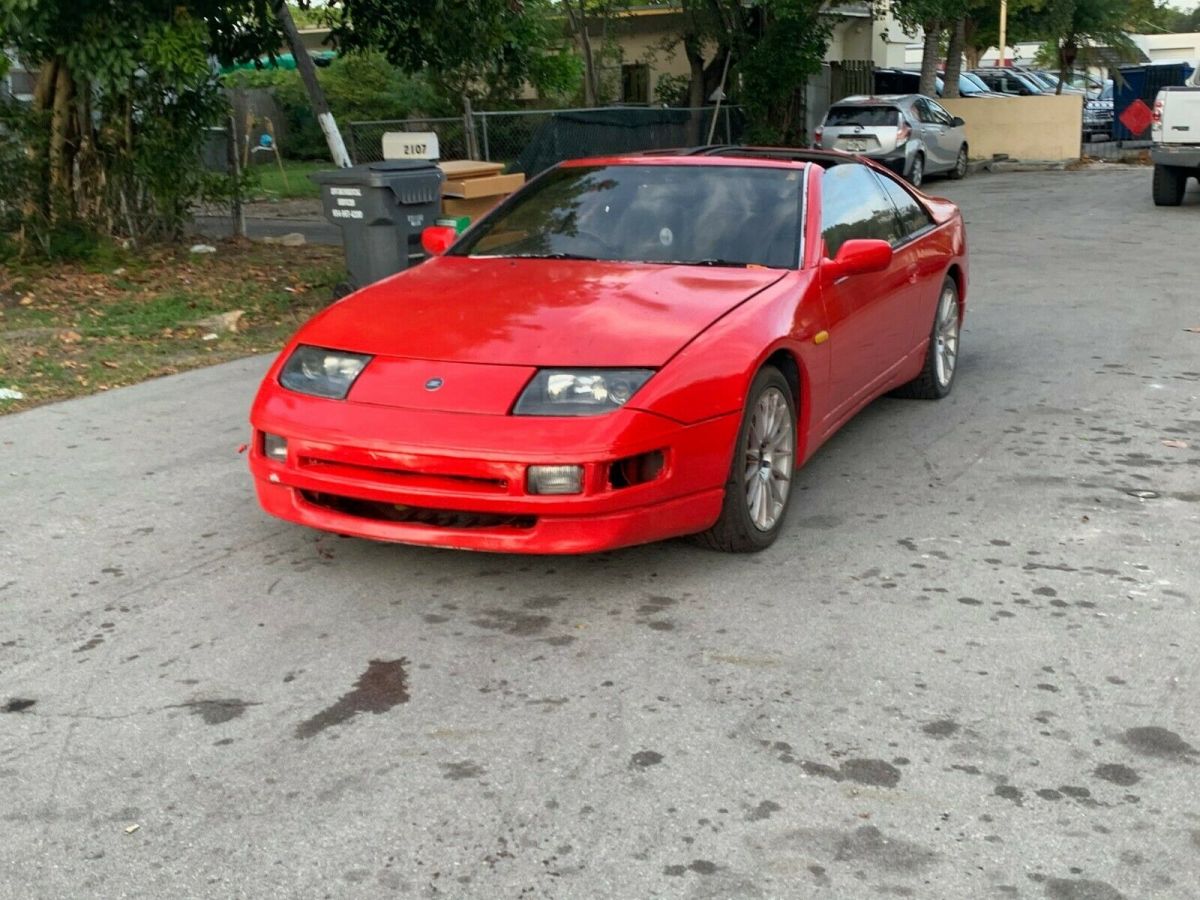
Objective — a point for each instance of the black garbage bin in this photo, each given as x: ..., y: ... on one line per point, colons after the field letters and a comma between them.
x: 382, y: 208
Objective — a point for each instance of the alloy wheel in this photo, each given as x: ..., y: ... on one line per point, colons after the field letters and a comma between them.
x: 946, y: 337
x: 769, y: 455
x: 918, y: 171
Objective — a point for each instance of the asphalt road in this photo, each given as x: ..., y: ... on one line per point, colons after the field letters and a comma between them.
x: 967, y: 670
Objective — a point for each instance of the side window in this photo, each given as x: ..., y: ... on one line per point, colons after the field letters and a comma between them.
x: 923, y: 112
x: 912, y: 215
x: 853, y: 205
x: 940, y: 115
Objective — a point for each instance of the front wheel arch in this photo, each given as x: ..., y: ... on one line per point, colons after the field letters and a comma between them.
x: 737, y: 530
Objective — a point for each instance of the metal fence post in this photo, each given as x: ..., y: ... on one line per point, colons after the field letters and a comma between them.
x: 352, y: 133
x: 487, y: 150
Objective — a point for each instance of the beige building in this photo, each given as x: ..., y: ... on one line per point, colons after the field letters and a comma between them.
x: 645, y: 48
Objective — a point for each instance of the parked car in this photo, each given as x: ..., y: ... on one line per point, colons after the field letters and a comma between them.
x: 906, y: 81
x: 627, y: 349
x: 981, y: 89
x: 1048, y: 81
x: 1175, y: 151
x: 1098, y: 115
x: 910, y: 134
x: 1010, y: 81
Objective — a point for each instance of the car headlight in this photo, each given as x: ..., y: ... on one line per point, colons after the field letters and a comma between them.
x: 321, y: 372
x: 579, y: 392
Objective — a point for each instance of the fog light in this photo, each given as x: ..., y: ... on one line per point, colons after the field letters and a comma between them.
x: 275, y: 447
x: 555, y: 479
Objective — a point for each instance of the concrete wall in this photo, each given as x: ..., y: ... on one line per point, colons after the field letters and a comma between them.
x: 850, y: 39
x: 1025, y: 128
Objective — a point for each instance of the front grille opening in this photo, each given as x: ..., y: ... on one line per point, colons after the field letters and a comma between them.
x: 359, y: 470
x: 636, y: 469
x: 416, y: 515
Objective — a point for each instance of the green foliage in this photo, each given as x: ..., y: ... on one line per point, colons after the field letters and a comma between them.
x: 1076, y: 31
x: 790, y: 49
x: 672, y: 90
x: 558, y: 76
x: 359, y: 86
x: 113, y: 140
x: 479, y: 49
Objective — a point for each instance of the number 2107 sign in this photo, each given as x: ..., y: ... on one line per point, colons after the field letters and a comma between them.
x: 411, y: 145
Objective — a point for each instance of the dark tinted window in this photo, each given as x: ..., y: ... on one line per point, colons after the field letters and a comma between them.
x: 912, y: 215
x: 870, y: 116
x: 896, y: 82
x: 661, y: 213
x: 853, y: 205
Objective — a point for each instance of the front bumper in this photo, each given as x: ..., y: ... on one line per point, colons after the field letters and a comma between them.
x: 1185, y: 156
x: 459, y: 481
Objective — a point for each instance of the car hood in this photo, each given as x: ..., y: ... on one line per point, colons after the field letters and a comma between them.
x: 536, y: 312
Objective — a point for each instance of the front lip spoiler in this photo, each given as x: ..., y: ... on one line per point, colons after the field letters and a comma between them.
x: 550, y: 534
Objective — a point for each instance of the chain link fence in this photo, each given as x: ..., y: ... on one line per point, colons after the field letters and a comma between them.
x: 531, y: 141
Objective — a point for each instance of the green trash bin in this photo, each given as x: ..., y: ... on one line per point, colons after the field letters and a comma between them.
x: 382, y: 208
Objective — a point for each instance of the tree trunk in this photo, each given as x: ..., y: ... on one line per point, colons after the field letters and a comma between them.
x: 958, y: 37
x: 1066, y: 60
x: 929, y: 57
x: 43, y: 92
x: 578, y: 23
x: 970, y: 51
x: 61, y: 152
x: 695, y: 88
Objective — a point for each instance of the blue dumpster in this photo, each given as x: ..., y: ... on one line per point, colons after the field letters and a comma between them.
x: 1143, y: 82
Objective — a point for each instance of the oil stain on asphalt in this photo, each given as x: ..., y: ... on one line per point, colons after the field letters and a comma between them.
x: 382, y: 686
x: 215, y: 712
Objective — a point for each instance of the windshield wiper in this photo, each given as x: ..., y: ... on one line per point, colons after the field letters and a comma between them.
x: 550, y: 256
x: 710, y: 262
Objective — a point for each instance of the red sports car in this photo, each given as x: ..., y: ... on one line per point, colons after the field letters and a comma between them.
x: 627, y: 349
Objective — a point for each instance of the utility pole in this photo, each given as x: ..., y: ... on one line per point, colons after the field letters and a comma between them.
x: 316, y: 96
x: 1003, y: 30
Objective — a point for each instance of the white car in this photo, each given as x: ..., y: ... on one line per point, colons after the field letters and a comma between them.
x: 1175, y: 131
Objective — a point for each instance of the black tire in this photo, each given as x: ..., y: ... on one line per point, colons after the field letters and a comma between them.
x: 916, y: 173
x: 735, y: 531
x: 930, y: 384
x: 1168, y: 185
x: 960, y: 165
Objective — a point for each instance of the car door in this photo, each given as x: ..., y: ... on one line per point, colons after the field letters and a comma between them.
x: 923, y: 263
x: 951, y: 137
x: 868, y: 329
x: 933, y: 132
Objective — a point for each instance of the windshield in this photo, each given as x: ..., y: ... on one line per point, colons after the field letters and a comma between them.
x: 973, y: 80
x: 691, y: 215
x: 869, y: 116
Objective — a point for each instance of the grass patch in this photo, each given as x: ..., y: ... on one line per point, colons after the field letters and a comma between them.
x: 67, y: 329
x: 292, y: 183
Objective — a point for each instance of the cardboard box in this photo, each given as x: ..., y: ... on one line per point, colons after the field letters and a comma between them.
x: 472, y: 209
x: 487, y: 186
x: 456, y: 169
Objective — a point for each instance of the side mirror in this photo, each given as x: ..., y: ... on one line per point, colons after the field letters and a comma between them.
x: 958, y: 122
x: 437, y: 239
x: 858, y: 257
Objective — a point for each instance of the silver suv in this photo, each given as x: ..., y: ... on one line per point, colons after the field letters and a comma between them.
x: 909, y: 133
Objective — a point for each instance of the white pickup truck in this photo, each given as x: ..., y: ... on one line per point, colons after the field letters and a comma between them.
x: 1175, y: 131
